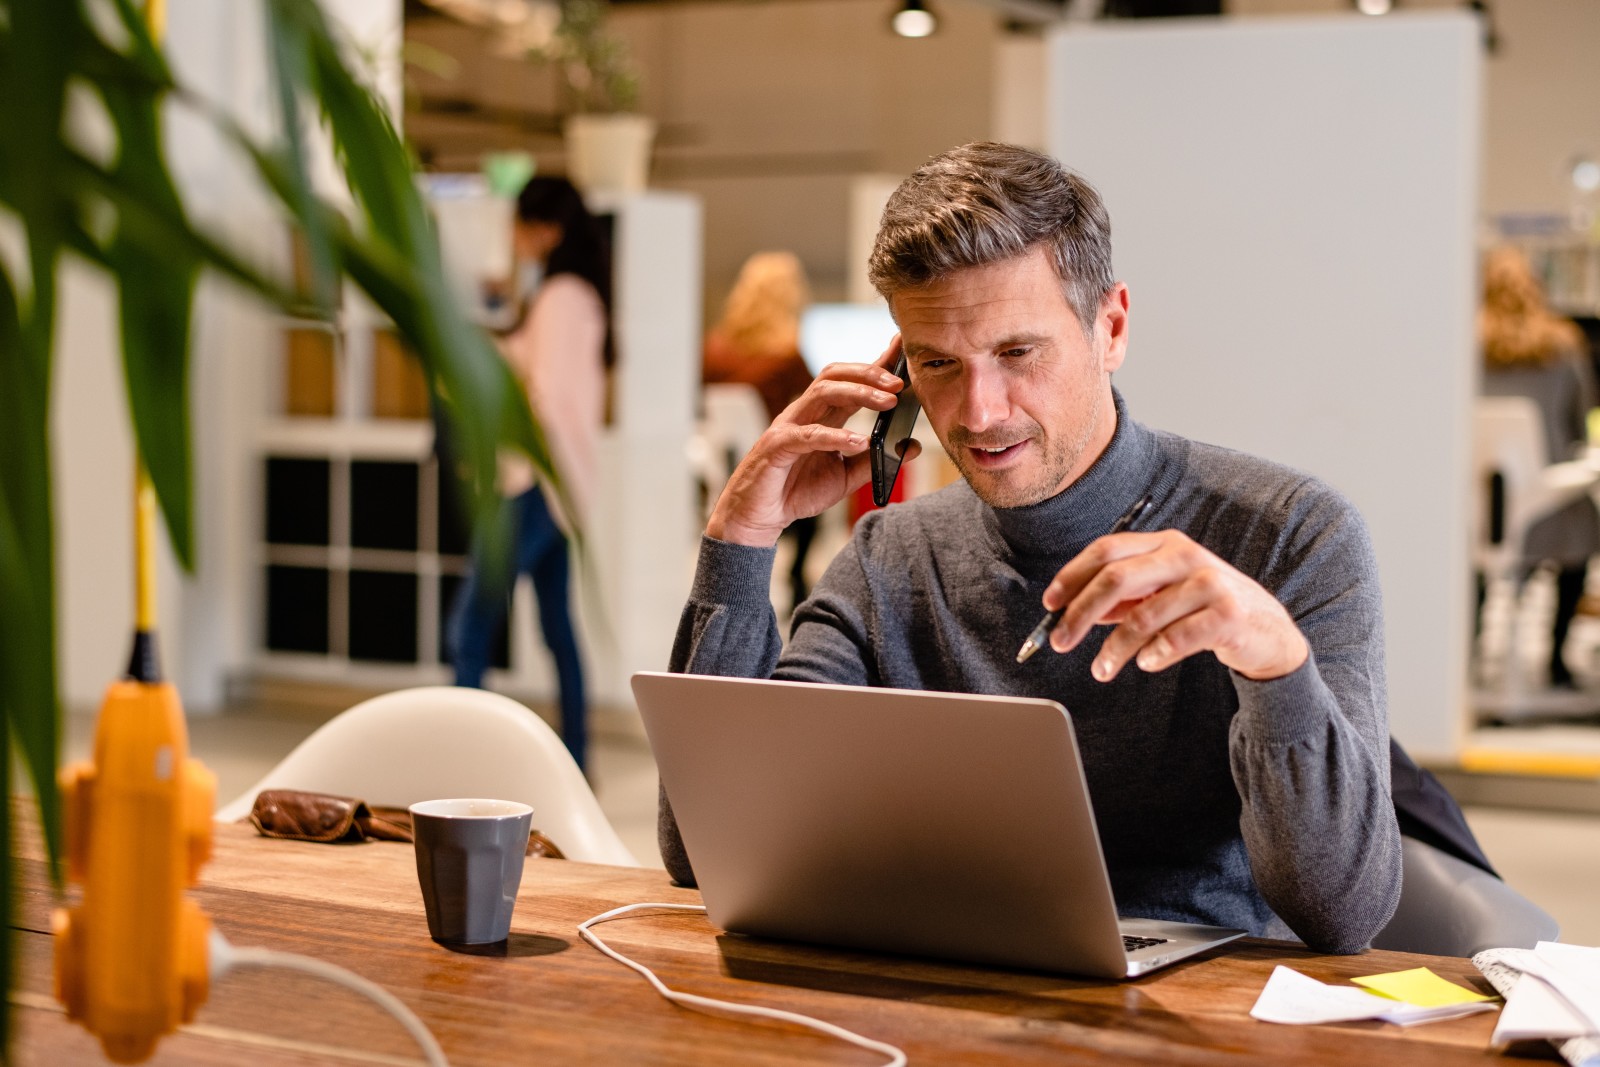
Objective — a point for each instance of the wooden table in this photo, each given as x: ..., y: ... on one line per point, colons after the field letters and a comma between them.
x: 549, y: 998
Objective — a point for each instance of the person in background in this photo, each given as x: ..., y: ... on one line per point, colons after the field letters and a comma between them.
x: 561, y: 350
x: 757, y: 342
x: 1530, y: 351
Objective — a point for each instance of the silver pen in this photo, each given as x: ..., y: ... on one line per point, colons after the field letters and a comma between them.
x: 1041, y: 633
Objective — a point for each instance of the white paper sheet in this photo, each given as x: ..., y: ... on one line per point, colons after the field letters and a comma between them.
x: 1291, y: 997
x: 1534, y: 1008
x: 1574, y: 972
x: 1533, y: 1012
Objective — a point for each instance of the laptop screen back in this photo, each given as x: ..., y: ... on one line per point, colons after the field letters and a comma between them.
x: 933, y: 824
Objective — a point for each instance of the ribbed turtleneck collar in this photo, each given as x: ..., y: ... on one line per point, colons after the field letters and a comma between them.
x: 1054, y: 530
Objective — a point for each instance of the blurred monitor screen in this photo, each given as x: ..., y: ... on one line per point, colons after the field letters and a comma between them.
x: 844, y: 333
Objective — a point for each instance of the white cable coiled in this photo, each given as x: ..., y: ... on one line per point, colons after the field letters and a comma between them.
x: 225, y: 957
x: 897, y: 1058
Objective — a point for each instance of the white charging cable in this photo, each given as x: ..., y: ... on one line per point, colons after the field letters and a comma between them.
x: 226, y: 957
x: 897, y: 1058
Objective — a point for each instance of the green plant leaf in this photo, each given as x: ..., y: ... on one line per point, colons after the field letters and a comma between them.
x: 155, y: 254
x: 156, y: 294
x: 160, y: 227
x: 37, y: 42
x: 291, y: 66
x: 484, y: 404
x: 28, y: 701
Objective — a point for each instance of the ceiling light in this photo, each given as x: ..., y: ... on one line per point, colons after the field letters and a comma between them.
x: 1585, y: 175
x: 1374, y: 7
x: 914, y: 20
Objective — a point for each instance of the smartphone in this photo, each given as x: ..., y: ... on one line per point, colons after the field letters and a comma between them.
x: 890, y: 436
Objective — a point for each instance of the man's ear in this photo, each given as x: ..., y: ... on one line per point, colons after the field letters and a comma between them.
x: 1111, y: 327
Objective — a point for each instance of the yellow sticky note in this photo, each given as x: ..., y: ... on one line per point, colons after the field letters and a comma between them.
x: 1419, y: 986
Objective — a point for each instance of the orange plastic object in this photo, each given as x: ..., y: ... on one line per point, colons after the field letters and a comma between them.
x: 131, y: 956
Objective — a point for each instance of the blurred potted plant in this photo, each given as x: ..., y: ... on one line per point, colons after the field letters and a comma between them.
x: 125, y: 216
x: 608, y: 143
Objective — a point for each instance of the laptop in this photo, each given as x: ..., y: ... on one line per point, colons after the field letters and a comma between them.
x: 942, y: 825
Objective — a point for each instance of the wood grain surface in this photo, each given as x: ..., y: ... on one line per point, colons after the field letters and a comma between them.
x: 546, y: 997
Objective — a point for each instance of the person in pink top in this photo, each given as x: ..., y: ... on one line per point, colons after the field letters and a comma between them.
x: 561, y: 350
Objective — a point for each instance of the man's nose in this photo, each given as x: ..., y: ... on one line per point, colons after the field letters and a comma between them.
x: 984, y: 402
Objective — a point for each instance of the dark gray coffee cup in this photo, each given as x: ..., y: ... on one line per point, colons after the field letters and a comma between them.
x: 469, y: 861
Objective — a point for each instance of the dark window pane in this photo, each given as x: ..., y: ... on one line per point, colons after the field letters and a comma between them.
x: 297, y: 609
x: 383, y: 616
x: 383, y: 505
x: 499, y: 654
x: 297, y: 501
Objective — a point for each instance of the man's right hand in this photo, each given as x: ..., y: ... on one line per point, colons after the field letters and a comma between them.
x: 807, y: 461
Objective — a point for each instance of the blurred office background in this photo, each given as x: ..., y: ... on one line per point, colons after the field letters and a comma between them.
x: 1302, y: 192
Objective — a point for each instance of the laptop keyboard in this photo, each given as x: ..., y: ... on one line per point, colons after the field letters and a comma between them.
x: 1134, y: 944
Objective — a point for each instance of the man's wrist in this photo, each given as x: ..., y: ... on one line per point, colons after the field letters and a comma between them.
x: 735, y: 533
x: 1292, y: 662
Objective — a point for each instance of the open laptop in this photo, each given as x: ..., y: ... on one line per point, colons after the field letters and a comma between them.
x: 931, y: 824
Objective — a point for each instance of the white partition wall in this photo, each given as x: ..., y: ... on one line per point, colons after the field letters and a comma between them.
x: 645, y: 534
x: 1293, y: 204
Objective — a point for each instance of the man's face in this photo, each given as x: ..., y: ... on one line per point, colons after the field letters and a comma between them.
x: 1020, y: 398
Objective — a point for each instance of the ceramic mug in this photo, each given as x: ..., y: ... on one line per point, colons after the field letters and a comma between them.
x: 469, y: 862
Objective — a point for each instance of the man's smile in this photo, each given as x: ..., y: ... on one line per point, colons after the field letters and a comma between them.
x: 995, y: 457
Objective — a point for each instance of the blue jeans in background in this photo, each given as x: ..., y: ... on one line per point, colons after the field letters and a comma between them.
x: 540, y: 550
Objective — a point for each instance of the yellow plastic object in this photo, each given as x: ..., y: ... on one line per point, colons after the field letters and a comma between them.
x: 1530, y: 763
x: 131, y: 956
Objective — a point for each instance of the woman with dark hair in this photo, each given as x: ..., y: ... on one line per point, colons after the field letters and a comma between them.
x: 560, y: 349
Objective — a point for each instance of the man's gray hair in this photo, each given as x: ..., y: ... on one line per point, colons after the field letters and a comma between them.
x: 985, y: 203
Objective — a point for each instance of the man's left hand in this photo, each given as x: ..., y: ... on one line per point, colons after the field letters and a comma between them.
x: 1170, y: 598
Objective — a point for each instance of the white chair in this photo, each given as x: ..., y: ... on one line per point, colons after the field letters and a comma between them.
x: 1508, y: 452
x: 1450, y: 908
x: 734, y: 416
x: 441, y: 741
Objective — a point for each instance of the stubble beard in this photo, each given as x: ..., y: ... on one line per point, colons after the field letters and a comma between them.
x: 1061, y: 453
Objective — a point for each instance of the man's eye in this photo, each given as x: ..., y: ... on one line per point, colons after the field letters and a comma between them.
x: 1016, y: 352
x: 933, y: 364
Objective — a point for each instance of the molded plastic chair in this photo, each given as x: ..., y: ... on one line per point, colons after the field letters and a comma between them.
x: 441, y: 741
x: 1508, y: 441
x: 1450, y: 908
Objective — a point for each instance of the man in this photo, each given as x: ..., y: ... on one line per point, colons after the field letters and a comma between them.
x: 1223, y: 661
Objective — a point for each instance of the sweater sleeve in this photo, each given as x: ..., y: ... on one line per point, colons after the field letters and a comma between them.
x: 728, y: 628
x: 1309, y: 751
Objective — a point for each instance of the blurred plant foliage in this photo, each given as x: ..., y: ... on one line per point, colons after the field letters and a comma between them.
x: 122, y: 212
x: 596, y: 69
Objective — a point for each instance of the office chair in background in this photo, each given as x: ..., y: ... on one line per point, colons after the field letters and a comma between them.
x: 1449, y: 907
x: 1516, y: 485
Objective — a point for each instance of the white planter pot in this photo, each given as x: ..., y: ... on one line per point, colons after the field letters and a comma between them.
x: 609, y: 153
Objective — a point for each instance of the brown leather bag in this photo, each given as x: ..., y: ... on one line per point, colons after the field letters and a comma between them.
x: 296, y: 815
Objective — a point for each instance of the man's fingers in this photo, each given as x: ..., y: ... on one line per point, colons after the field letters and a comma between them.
x: 1130, y: 577
x: 1070, y: 580
x: 834, y: 400
x: 792, y: 442
x: 1149, y: 622
x: 1193, y: 633
x: 891, y: 355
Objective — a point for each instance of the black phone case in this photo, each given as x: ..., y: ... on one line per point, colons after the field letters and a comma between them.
x: 886, y: 460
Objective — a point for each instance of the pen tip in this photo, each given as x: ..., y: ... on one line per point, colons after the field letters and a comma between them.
x: 1028, y: 649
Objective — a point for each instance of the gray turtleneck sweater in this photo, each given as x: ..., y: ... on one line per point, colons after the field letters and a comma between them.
x: 1258, y: 805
